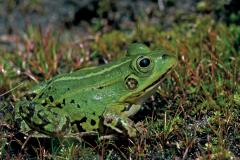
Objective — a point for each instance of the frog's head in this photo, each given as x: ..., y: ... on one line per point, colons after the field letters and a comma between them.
x: 149, y: 68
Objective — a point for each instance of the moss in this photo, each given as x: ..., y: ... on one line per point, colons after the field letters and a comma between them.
x: 201, y: 115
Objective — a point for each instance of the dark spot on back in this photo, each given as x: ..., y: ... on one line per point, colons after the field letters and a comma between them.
x: 94, y: 113
x: 64, y: 101
x: 49, y: 88
x: 51, y: 98
x: 93, y: 122
x: 44, y: 103
x: 72, y: 101
x: 84, y: 119
x: 41, y: 95
x: 68, y: 89
x: 80, y: 128
x: 78, y: 123
x: 78, y: 105
x: 58, y: 105
x: 100, y: 87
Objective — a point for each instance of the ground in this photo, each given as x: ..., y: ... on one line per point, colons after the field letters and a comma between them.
x: 194, y: 113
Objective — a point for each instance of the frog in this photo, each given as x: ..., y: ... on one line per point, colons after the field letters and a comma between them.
x: 99, y: 99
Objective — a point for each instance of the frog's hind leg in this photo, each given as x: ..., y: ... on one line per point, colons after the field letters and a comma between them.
x: 45, y: 119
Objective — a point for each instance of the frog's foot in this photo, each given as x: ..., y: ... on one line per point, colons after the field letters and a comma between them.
x: 122, y: 125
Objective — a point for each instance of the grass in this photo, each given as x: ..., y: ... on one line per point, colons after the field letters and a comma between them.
x: 194, y: 114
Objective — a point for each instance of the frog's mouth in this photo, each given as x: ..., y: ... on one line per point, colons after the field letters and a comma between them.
x: 149, y: 90
x: 158, y: 81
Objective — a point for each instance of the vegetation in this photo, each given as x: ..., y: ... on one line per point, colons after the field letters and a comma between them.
x: 194, y: 114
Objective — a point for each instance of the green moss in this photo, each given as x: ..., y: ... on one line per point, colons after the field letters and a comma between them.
x: 201, y: 114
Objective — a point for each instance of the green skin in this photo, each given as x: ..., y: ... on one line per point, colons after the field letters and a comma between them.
x: 96, y: 98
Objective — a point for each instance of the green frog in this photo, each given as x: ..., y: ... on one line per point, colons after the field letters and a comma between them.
x: 97, y: 99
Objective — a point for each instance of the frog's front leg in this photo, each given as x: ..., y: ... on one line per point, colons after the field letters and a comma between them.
x: 117, y: 118
x: 45, y: 119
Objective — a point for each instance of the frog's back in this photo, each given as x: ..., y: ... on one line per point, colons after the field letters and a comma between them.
x: 94, y: 86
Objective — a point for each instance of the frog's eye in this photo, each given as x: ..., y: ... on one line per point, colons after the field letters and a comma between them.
x: 144, y: 64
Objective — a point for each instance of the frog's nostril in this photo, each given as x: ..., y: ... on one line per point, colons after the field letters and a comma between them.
x: 164, y: 56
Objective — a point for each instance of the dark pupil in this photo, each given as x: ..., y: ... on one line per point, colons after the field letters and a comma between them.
x: 144, y: 62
